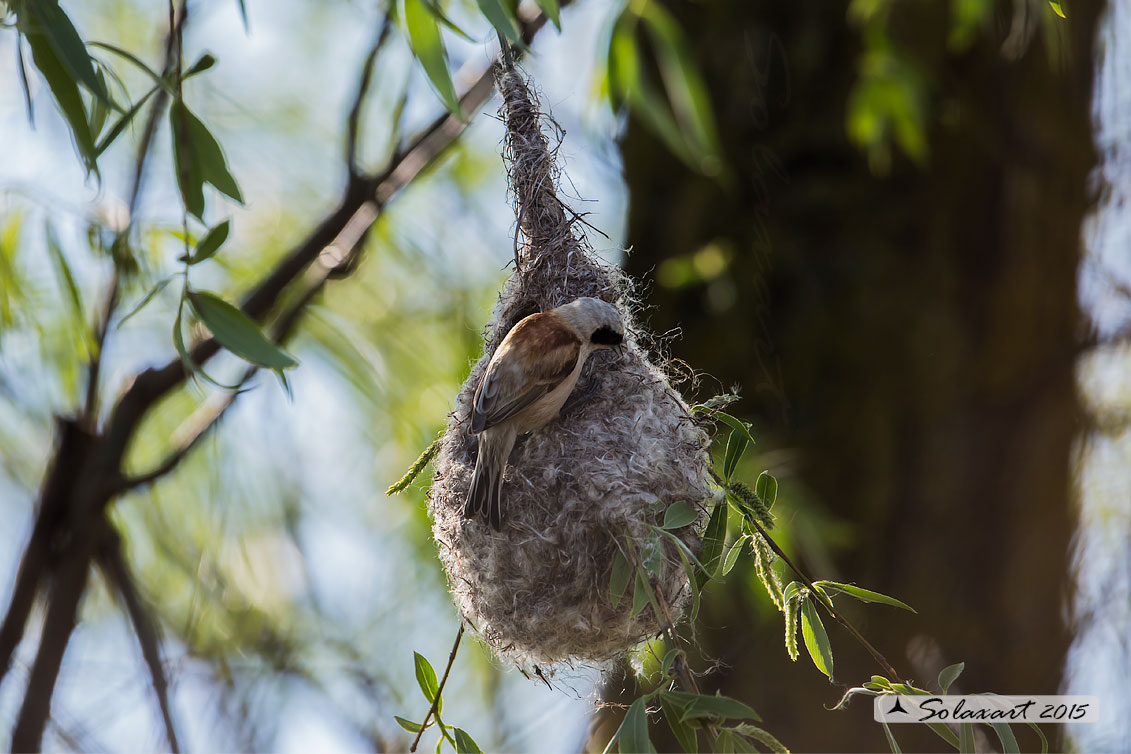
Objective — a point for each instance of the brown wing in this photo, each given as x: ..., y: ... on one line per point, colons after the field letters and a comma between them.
x: 513, y: 381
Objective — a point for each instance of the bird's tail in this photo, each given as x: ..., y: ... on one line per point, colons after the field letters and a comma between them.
x: 484, y: 497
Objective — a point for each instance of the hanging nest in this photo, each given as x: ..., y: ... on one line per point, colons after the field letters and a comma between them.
x: 583, y: 488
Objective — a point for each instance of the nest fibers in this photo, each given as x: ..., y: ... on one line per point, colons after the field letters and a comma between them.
x: 584, y: 487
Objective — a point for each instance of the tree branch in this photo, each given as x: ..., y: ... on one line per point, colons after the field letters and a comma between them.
x: 354, y: 119
x: 338, y: 234
x: 118, y: 574
x: 433, y: 710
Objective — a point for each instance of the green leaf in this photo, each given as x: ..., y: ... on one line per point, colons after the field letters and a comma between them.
x: 409, y: 725
x: 63, y: 88
x: 763, y: 736
x: 1005, y: 735
x: 949, y: 674
x: 137, y: 62
x: 465, y: 744
x: 1057, y: 8
x: 553, y: 11
x: 633, y: 731
x: 736, y: 446
x: 198, y: 159
x: 792, y: 589
x: 160, y: 286
x: 237, y: 332
x: 683, y: 732
x: 669, y: 661
x: 60, y: 33
x: 864, y: 595
x: 202, y: 64
x: 428, y: 47
x: 121, y: 123
x: 704, y: 705
x: 891, y: 739
x: 211, y: 242
x: 713, y: 539
x: 179, y: 343
x: 816, y: 640
x: 639, y: 594
x: 501, y: 19
x: 679, y: 515
x: 619, y: 577
x: 1037, y: 729
x: 734, y: 423
x: 766, y: 488
x: 945, y: 734
x: 685, y: 88
x: 99, y: 111
x: 733, y: 553
x: 966, y: 738
x: 66, y: 277
x: 242, y: 4
x: 426, y: 679
x: 725, y: 742
x: 691, y: 585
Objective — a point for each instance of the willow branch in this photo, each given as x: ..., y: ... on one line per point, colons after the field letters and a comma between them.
x: 117, y: 572
x: 439, y: 690
x: 354, y: 119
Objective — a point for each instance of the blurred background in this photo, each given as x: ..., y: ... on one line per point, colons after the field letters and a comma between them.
x: 904, y: 240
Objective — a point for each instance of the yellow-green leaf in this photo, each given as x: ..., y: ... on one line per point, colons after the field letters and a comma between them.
x: 237, y: 332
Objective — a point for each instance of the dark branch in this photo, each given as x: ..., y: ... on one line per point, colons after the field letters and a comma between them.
x: 354, y: 119
x: 118, y: 574
x: 439, y: 690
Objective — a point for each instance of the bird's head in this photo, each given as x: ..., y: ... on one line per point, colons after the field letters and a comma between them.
x: 596, y: 321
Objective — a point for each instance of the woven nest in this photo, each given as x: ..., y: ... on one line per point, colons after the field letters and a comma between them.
x: 581, y: 488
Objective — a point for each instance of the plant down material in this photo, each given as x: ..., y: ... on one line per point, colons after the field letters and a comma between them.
x: 585, y: 487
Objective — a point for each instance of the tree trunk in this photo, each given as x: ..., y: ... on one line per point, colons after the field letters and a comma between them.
x: 910, y: 338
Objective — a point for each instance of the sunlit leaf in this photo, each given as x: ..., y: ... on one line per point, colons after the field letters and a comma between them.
x: 633, y: 732
x: 426, y: 679
x: 864, y: 595
x: 733, y: 553
x: 949, y: 674
x: 1057, y: 8
x: 428, y: 47
x: 763, y: 736
x: 465, y: 744
x: 211, y: 242
x: 766, y: 488
x: 237, y: 332
x: 409, y: 725
x: 736, y: 446
x: 705, y: 705
x: 816, y: 640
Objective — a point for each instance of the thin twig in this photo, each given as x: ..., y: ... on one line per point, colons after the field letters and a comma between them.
x: 117, y: 572
x: 686, y: 677
x: 876, y: 655
x: 439, y: 691
x: 353, y: 121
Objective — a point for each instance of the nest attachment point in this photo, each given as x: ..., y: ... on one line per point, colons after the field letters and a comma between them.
x: 584, y: 487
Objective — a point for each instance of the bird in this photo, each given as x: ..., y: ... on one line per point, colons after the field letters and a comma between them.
x: 525, y: 384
